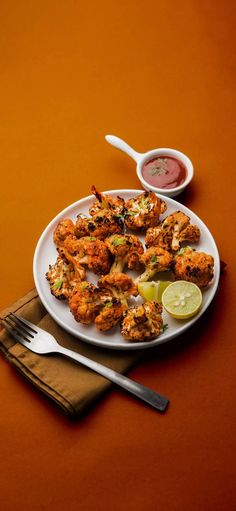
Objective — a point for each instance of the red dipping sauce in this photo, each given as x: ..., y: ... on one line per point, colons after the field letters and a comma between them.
x: 164, y: 172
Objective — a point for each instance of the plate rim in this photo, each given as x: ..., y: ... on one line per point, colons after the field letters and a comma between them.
x: 106, y: 343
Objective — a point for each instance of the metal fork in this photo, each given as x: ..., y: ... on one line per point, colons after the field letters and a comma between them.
x: 41, y: 342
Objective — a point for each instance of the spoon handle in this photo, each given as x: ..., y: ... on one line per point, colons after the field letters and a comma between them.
x: 123, y: 146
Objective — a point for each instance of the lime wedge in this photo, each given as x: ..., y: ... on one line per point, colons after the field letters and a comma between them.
x: 182, y: 299
x: 153, y: 290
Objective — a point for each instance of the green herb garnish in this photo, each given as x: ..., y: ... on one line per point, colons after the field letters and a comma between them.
x: 159, y: 167
x: 182, y: 250
x: 58, y: 284
x: 131, y: 213
x: 164, y: 327
x: 143, y: 203
x: 84, y: 286
x: 108, y: 304
x: 118, y: 241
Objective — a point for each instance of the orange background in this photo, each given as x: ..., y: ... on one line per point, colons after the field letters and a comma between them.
x: 157, y: 74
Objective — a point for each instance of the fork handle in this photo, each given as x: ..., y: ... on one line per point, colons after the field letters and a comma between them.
x: 149, y: 396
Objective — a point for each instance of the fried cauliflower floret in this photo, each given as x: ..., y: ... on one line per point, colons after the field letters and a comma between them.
x: 118, y: 285
x: 101, y: 225
x: 143, y: 322
x: 143, y: 211
x: 87, y: 252
x: 105, y: 201
x: 67, y: 253
x: 85, y: 303
x: 196, y: 267
x: 155, y: 259
x: 62, y: 278
x: 127, y: 249
x: 63, y: 229
x: 110, y: 315
x: 114, y: 291
x: 173, y: 231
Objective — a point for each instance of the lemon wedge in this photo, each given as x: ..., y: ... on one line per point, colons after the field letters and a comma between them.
x: 182, y: 299
x: 153, y: 290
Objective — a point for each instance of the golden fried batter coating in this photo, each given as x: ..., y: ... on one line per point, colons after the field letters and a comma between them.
x: 196, y: 267
x: 155, y: 259
x: 62, y: 278
x: 84, y: 303
x: 104, y: 201
x: 67, y: 253
x: 114, y: 291
x: 101, y: 225
x: 118, y: 285
x: 143, y: 211
x: 64, y: 228
x: 110, y: 315
x: 173, y: 231
x: 127, y: 249
x: 87, y: 252
x: 143, y: 322
x: 153, y: 236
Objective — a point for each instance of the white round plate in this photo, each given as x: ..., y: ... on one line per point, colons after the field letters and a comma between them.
x: 46, y: 254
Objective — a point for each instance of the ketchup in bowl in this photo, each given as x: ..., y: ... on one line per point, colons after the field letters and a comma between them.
x: 164, y: 172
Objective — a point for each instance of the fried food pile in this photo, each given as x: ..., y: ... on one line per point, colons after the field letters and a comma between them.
x: 102, y: 243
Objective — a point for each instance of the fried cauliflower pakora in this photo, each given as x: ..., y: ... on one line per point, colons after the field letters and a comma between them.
x: 89, y: 304
x: 101, y: 225
x: 143, y: 211
x: 118, y: 285
x: 99, y: 243
x: 62, y: 278
x: 173, y: 231
x: 87, y: 252
x: 85, y: 303
x: 127, y: 249
x: 155, y: 259
x: 64, y: 228
x: 106, y: 202
x: 114, y: 289
x: 142, y: 322
x: 110, y: 315
x: 196, y: 267
x: 105, y: 305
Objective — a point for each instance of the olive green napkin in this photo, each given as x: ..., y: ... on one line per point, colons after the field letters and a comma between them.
x: 73, y: 387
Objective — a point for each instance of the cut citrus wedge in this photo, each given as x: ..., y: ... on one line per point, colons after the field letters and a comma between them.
x: 153, y: 290
x: 182, y: 299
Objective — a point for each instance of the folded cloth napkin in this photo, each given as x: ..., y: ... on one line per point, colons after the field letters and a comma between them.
x: 73, y: 387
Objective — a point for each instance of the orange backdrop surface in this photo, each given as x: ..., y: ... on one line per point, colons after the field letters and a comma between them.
x: 158, y: 74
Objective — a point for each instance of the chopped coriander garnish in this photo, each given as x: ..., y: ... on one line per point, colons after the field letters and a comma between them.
x: 143, y: 203
x: 131, y: 213
x: 84, y: 286
x: 154, y: 259
x: 118, y: 241
x: 164, y: 327
x: 58, y: 284
x: 181, y: 251
x: 108, y: 304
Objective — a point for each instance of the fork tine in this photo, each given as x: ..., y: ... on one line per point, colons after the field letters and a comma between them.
x: 24, y: 322
x: 20, y: 324
x: 18, y: 329
x: 13, y: 332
